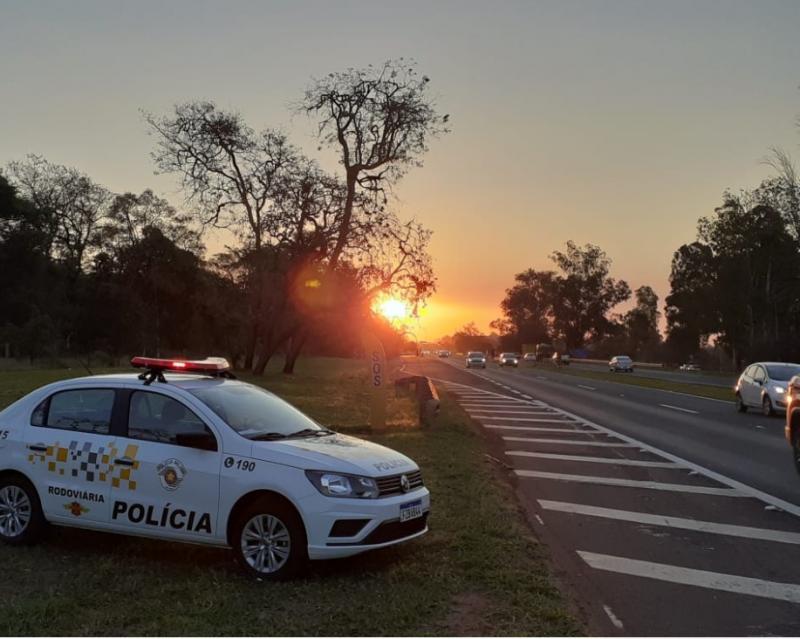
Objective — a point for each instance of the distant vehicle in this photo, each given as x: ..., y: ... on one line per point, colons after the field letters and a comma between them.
x: 508, y: 359
x: 529, y: 357
x: 476, y: 359
x: 561, y: 359
x: 689, y: 367
x: 620, y: 363
x: 764, y: 385
x: 444, y: 353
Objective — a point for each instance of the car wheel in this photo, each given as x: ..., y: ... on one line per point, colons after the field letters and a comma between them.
x: 21, y: 518
x: 740, y: 405
x: 766, y: 407
x: 270, y: 541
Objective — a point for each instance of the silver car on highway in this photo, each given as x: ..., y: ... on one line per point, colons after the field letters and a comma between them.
x: 476, y: 359
x: 764, y: 385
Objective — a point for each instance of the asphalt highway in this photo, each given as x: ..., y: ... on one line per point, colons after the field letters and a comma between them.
x: 664, y: 513
x: 684, y: 377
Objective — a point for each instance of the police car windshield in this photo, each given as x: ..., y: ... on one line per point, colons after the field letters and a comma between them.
x: 255, y: 413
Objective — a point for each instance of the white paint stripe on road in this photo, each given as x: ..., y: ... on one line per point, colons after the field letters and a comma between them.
x: 532, y: 419
x: 515, y: 412
x: 586, y: 387
x: 692, y: 577
x: 683, y: 410
x: 540, y: 377
x: 538, y: 429
x: 631, y: 483
x: 748, y: 532
x: 568, y: 442
x: 613, y: 618
x: 614, y: 461
x: 527, y: 397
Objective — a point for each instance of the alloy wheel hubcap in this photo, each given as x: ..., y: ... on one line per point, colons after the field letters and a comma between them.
x: 266, y: 543
x: 15, y: 511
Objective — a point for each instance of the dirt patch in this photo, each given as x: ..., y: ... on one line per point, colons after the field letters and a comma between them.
x: 467, y: 615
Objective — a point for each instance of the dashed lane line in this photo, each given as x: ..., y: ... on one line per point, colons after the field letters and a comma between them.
x: 631, y: 483
x: 614, y: 461
x: 747, y: 532
x: 586, y: 387
x: 683, y: 410
x: 692, y: 577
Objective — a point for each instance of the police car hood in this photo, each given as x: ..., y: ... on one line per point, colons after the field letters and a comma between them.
x: 340, y: 453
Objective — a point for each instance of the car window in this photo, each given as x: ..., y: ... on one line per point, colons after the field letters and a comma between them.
x: 782, y: 372
x: 156, y: 417
x: 759, y: 374
x: 87, y: 410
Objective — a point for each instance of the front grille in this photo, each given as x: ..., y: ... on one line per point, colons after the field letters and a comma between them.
x: 391, y: 485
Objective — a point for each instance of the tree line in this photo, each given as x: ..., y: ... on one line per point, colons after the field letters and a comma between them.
x: 84, y: 270
x: 734, y: 291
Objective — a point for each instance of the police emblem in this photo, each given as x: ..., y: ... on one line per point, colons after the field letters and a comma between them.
x: 171, y: 473
x: 75, y: 508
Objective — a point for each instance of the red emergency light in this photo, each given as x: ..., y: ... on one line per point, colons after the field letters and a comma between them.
x: 210, y: 365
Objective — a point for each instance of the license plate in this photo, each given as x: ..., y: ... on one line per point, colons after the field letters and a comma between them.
x: 411, y: 510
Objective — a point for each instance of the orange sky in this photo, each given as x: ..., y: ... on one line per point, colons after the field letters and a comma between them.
x: 617, y: 123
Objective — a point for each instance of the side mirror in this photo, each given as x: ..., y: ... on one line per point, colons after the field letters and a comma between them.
x: 202, y: 441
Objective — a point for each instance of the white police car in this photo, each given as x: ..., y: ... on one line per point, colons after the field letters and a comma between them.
x: 200, y: 457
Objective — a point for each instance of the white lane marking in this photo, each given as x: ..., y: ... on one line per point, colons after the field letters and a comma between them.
x: 692, y: 577
x: 568, y: 442
x: 540, y: 377
x: 683, y: 410
x: 514, y: 412
x: 532, y: 419
x: 539, y: 519
x: 668, y: 521
x: 538, y: 429
x: 527, y: 397
x: 586, y: 387
x: 614, y: 461
x: 516, y: 392
x: 613, y: 618
x: 631, y: 483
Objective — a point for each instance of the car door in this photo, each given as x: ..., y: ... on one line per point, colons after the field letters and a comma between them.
x: 172, y: 487
x: 71, y: 449
x: 759, y: 380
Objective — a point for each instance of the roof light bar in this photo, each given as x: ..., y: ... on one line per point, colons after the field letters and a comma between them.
x: 156, y: 367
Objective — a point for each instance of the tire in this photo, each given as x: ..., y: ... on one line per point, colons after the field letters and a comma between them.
x: 766, y: 407
x: 740, y: 405
x: 269, y: 540
x: 21, y: 519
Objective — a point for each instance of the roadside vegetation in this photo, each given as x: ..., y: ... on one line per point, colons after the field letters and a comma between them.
x: 479, y: 571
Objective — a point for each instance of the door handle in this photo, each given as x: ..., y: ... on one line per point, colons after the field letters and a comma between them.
x: 39, y: 448
x: 124, y: 461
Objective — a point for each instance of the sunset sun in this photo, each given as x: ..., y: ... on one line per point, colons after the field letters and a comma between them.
x: 392, y: 309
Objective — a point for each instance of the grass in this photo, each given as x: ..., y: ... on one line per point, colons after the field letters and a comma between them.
x: 713, y: 392
x: 478, y: 571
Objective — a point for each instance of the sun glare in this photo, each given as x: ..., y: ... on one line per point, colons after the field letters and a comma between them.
x: 392, y: 309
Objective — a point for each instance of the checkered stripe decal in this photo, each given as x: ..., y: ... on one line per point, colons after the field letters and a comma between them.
x: 80, y: 460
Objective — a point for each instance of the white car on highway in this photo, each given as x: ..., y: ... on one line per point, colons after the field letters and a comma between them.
x: 201, y: 458
x: 620, y: 363
x: 476, y: 359
x: 764, y: 385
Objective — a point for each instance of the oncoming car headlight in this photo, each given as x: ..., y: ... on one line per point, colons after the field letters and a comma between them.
x: 338, y: 485
x: 779, y: 389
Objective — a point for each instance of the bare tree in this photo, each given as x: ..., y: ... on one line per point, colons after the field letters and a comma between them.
x: 380, y: 120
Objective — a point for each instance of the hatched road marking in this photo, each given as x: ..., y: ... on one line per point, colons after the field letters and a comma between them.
x: 693, y: 577
x: 615, y: 461
x: 569, y: 442
x: 748, y: 532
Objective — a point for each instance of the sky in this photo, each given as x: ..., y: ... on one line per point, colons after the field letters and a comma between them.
x: 618, y: 123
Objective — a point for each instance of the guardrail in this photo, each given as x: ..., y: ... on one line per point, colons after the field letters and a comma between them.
x: 425, y: 391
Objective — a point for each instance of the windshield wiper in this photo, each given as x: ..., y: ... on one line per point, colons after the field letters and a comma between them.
x: 312, y: 432
x: 268, y: 436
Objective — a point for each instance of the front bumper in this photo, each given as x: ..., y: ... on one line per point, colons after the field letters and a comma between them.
x: 382, y: 528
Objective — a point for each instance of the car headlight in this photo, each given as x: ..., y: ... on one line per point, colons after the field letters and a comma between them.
x: 339, y: 485
x: 779, y: 389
